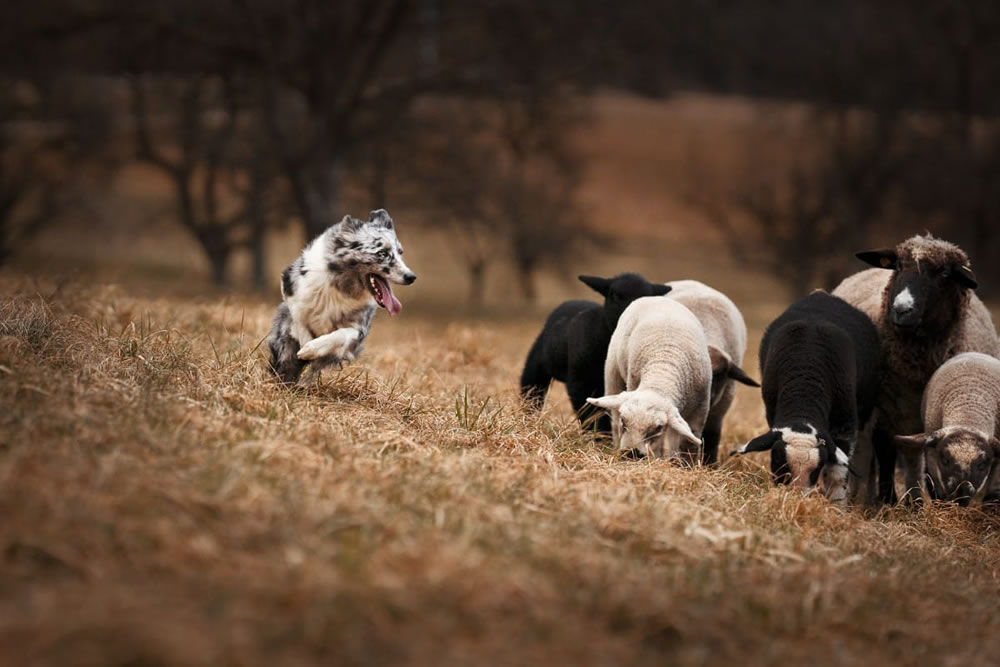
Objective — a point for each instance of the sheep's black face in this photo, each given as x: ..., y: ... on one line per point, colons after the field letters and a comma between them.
x: 622, y: 290
x: 925, y: 297
x: 959, y: 465
x: 924, y: 302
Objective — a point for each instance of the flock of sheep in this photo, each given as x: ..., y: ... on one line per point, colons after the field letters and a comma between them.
x: 899, y: 361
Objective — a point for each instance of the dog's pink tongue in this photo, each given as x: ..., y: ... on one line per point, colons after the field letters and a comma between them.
x: 389, y: 299
x: 393, y: 305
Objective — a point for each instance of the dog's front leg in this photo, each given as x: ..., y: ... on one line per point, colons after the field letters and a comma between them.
x: 336, y: 344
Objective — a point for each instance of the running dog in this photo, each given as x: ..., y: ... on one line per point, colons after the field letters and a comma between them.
x: 330, y: 291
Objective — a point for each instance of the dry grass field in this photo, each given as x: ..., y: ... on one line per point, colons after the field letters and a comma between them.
x: 165, y: 502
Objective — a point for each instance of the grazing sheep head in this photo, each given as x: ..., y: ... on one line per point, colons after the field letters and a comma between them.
x: 724, y: 369
x: 648, y: 423
x: 620, y: 291
x: 929, y: 287
x: 802, y: 457
x: 959, y: 461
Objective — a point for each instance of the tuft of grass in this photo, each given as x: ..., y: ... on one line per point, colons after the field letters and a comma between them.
x: 165, y: 501
x: 26, y: 322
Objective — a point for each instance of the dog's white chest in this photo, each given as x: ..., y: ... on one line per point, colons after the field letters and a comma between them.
x: 317, y: 306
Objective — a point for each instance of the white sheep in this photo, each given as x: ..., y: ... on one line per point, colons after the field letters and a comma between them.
x: 726, y: 333
x: 961, y: 413
x: 657, y: 380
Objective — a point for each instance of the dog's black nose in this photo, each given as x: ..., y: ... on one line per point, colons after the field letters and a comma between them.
x: 409, y: 278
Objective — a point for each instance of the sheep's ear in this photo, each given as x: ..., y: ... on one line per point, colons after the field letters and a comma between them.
x: 721, y: 363
x: 919, y: 441
x: 611, y: 402
x: 840, y: 456
x: 599, y: 285
x: 738, y: 374
x: 761, y: 443
x: 676, y: 422
x: 964, y: 276
x: 883, y: 259
x: 660, y: 290
x: 720, y: 360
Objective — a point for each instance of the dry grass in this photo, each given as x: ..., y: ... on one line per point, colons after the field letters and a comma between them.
x: 165, y: 503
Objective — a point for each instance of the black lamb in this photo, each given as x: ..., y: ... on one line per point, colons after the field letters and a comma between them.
x: 820, y: 363
x: 573, y: 345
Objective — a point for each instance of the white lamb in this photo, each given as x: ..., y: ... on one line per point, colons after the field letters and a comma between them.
x: 959, y: 447
x: 726, y: 333
x: 658, y: 380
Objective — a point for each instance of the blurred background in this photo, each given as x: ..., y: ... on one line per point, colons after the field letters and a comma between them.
x: 191, y: 146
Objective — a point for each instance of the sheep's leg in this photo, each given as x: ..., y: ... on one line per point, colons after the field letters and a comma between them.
x: 861, y: 471
x: 579, y: 390
x: 885, y: 453
x: 535, y: 378
x: 913, y: 473
x: 614, y: 384
x: 712, y: 433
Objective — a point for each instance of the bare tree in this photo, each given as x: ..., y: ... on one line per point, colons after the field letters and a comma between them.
x: 187, y: 140
x: 804, y: 220
x: 48, y: 159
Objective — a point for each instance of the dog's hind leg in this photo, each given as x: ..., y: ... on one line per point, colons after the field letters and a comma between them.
x: 535, y: 379
x: 284, y: 347
x: 284, y: 363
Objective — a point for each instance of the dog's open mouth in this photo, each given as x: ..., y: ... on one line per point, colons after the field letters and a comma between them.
x: 384, y: 297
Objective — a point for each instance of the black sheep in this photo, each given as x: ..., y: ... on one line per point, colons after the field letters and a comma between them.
x: 573, y: 344
x: 819, y: 362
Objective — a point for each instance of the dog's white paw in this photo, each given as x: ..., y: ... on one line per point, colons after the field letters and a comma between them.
x: 314, y: 349
x: 335, y: 344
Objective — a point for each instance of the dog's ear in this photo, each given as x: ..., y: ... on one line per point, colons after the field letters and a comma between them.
x: 381, y: 218
x: 660, y: 290
x: 995, y: 444
x: 349, y: 224
x: 964, y: 276
x: 883, y: 259
x: 599, y: 285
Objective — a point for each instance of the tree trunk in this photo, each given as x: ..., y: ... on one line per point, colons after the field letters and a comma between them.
x: 526, y: 281
x: 322, y: 198
x: 476, y: 270
x: 218, y: 269
x: 258, y: 251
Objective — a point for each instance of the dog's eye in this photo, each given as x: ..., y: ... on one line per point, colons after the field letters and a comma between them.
x: 382, y: 254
